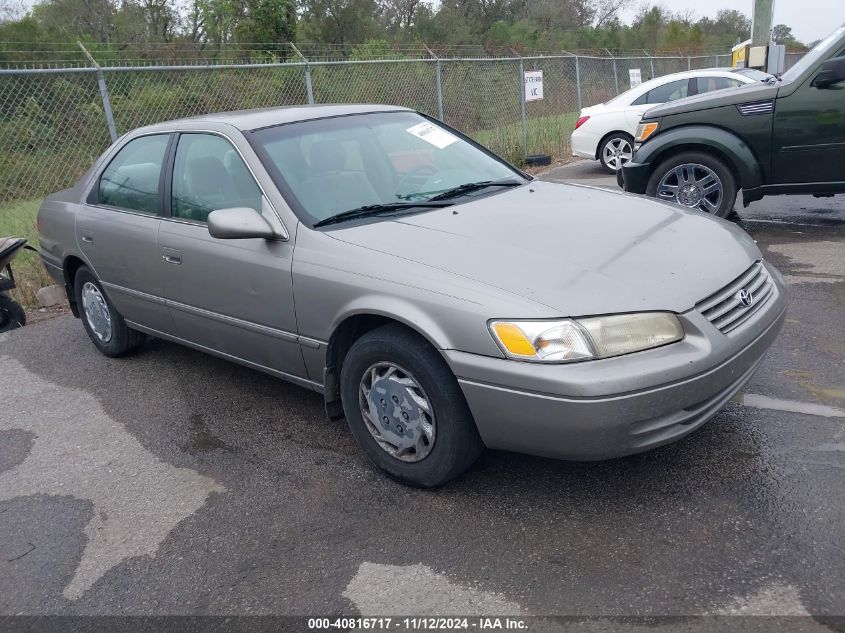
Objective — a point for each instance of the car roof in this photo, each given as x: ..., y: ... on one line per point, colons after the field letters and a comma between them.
x: 268, y: 117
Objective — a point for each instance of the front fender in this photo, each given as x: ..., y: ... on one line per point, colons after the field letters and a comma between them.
x: 744, y: 163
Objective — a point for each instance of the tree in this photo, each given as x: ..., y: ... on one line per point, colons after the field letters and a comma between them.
x: 340, y: 21
x: 782, y: 34
x: 268, y: 22
x: 78, y: 18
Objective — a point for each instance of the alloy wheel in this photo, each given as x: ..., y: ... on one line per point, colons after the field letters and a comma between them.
x: 617, y: 152
x: 692, y: 185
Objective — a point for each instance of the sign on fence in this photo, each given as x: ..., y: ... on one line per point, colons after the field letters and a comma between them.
x: 533, y: 85
x: 636, y: 77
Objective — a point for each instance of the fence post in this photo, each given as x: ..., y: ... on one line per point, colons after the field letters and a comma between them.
x: 651, y: 59
x: 309, y: 89
x: 104, y: 94
x: 578, y: 82
x: 615, y: 76
x: 438, y: 80
x: 522, y: 104
x: 689, y: 62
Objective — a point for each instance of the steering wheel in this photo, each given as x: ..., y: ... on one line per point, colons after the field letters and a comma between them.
x: 415, y: 177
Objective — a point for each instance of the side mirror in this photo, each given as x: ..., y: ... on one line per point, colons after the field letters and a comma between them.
x: 239, y: 223
x: 832, y: 72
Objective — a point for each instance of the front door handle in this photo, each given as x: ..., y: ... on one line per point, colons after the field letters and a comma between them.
x: 171, y: 255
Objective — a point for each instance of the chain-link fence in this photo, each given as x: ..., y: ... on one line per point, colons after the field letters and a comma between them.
x: 55, y: 122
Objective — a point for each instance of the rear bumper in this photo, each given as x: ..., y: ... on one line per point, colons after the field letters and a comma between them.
x: 618, y: 406
x: 633, y: 177
x: 583, y: 144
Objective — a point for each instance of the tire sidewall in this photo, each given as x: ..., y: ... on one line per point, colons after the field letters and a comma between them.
x: 12, y: 314
x: 456, y: 443
x: 606, y: 142
x: 729, y: 188
x: 118, y: 344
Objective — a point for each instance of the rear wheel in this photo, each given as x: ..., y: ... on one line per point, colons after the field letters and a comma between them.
x: 12, y: 314
x: 405, y: 408
x: 695, y: 180
x: 104, y: 324
x: 616, y: 150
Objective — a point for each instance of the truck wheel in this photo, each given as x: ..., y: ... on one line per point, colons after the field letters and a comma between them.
x: 616, y: 150
x: 694, y: 180
x: 104, y: 324
x: 12, y: 314
x: 405, y: 408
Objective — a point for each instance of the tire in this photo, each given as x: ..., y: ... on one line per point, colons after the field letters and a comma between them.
x: 616, y: 150
x: 698, y: 167
x: 455, y: 443
x: 12, y: 314
x: 121, y: 339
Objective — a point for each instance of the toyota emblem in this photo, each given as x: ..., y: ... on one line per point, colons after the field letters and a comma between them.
x: 745, y: 297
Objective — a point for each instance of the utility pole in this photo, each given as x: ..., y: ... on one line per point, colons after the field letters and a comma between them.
x: 761, y: 22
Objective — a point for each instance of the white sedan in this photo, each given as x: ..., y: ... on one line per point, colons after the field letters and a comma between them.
x: 605, y: 132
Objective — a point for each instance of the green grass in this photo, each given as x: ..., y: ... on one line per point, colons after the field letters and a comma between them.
x: 546, y: 135
x: 17, y: 219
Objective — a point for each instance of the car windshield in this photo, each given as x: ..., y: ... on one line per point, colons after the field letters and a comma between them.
x: 376, y: 162
x: 820, y: 50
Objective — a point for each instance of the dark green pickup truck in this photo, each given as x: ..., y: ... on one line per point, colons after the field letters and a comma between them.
x: 783, y: 136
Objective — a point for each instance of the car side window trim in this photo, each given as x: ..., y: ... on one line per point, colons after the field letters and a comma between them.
x: 92, y: 197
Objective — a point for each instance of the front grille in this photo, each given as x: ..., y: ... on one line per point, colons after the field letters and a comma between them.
x: 725, y: 308
x: 759, y: 107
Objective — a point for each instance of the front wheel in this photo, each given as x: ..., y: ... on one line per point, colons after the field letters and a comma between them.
x: 616, y: 150
x: 406, y: 409
x: 695, y: 180
x: 103, y: 323
x: 12, y: 314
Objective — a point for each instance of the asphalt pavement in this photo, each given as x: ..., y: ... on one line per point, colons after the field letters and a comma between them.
x: 172, y: 482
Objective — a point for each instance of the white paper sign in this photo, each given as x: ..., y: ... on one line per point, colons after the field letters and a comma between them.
x: 438, y: 137
x: 533, y: 85
x: 636, y: 77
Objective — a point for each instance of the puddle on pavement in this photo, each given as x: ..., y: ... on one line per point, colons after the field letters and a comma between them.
x: 813, y: 262
x: 756, y: 401
x: 202, y: 439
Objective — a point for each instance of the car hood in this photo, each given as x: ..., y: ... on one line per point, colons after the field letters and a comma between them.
x: 576, y: 250
x: 747, y: 93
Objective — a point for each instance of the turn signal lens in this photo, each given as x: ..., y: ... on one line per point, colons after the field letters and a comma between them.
x: 581, y: 121
x: 646, y: 130
x: 513, y: 339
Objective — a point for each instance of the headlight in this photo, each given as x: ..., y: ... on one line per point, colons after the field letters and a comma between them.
x: 568, y: 340
x: 645, y: 131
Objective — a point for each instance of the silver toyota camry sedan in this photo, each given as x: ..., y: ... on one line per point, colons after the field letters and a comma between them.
x: 440, y: 299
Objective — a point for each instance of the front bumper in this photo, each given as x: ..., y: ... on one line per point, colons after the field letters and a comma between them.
x: 617, y: 406
x: 633, y: 177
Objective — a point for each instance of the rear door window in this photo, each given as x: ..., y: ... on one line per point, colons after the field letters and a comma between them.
x: 709, y: 84
x: 132, y: 179
x: 668, y: 92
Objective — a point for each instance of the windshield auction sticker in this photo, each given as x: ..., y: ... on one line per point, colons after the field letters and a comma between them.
x: 432, y: 134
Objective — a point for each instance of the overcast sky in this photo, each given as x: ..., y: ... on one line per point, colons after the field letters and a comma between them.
x: 810, y: 19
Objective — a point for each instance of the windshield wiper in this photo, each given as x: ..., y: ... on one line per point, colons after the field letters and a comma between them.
x: 474, y: 186
x: 369, y: 210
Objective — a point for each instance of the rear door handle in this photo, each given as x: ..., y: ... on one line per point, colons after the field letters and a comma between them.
x: 86, y: 237
x: 171, y: 255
